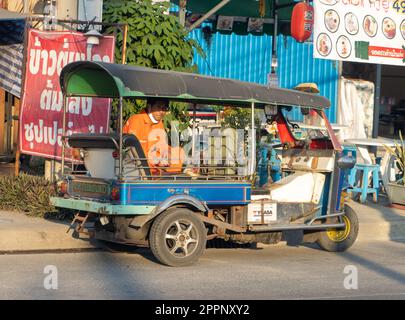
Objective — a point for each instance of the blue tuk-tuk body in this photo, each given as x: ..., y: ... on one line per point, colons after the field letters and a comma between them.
x: 175, y: 214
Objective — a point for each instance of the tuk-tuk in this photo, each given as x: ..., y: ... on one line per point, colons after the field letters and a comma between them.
x: 175, y: 214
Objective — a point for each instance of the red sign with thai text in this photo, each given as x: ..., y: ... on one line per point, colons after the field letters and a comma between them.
x: 385, y: 52
x: 42, y: 102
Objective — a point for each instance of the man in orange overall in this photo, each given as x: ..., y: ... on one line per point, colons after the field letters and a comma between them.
x: 148, y: 127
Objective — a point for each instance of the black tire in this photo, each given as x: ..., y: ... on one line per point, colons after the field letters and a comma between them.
x: 188, y: 244
x: 341, y: 240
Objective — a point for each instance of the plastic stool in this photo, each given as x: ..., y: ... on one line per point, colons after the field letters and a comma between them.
x: 262, y: 167
x: 364, y: 188
x: 348, y: 150
x: 275, y: 163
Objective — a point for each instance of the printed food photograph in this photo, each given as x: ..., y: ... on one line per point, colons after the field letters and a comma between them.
x: 255, y: 25
x: 332, y: 20
x: 225, y: 23
x: 343, y: 47
x: 389, y: 28
x: 324, y: 44
x: 351, y: 23
x: 402, y: 28
x: 329, y: 2
x: 370, y: 26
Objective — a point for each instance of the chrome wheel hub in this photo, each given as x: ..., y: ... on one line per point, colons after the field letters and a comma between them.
x: 181, y: 238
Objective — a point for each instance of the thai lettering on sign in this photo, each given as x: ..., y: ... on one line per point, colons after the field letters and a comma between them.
x: 42, y: 103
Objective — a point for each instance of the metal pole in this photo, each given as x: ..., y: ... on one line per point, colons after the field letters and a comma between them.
x: 120, y: 132
x: 63, y: 132
x: 124, y: 44
x: 339, y: 87
x: 26, y: 6
x: 193, y: 134
x: 182, y: 12
x: 17, y: 155
x: 253, y: 139
x: 274, y: 42
x: 376, y: 113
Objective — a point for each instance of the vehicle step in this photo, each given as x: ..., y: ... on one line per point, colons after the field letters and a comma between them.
x: 78, y: 224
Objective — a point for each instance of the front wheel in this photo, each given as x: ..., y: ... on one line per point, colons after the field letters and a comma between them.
x: 177, y: 237
x: 337, y: 240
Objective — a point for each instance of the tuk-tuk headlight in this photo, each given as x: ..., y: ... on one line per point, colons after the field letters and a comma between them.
x: 115, y: 193
x: 62, y: 187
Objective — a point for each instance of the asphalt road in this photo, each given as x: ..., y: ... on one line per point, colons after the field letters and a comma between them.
x: 276, y: 272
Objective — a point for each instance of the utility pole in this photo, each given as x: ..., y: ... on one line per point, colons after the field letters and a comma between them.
x: 26, y: 8
x: 377, y: 93
x: 182, y: 12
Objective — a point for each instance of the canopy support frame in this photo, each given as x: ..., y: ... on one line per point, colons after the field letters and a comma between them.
x: 253, y: 155
x: 121, y: 143
x: 64, y: 107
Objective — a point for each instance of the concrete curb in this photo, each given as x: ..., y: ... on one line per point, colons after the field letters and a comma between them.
x: 379, y: 222
x: 19, y: 232
x: 29, y: 240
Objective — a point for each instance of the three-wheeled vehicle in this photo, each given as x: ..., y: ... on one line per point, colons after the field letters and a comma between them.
x: 175, y: 214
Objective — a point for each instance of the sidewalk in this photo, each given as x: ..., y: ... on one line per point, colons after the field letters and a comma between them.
x: 379, y: 221
x: 19, y: 232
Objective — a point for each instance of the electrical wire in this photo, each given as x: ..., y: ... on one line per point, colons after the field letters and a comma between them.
x: 204, y: 58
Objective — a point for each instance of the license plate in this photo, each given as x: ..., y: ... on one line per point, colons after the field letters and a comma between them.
x: 262, y: 212
x: 85, y: 187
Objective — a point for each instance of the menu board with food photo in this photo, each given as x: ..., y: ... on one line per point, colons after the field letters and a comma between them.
x: 371, y: 31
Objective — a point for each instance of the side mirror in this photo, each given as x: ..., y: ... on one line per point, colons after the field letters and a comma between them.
x: 304, y: 111
x: 346, y: 162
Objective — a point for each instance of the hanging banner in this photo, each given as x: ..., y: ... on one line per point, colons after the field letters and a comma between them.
x: 371, y: 31
x: 42, y: 103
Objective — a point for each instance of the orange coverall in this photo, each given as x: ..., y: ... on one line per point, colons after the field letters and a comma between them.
x: 153, y: 139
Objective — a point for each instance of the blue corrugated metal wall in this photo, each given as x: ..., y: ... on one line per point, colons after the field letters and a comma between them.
x: 248, y: 58
x: 297, y: 65
x: 245, y: 58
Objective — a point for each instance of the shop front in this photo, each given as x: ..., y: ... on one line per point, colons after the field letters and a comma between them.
x: 12, y: 26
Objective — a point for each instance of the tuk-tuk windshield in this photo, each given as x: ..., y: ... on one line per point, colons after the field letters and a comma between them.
x: 311, y: 126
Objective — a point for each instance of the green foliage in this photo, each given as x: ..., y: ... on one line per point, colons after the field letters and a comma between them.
x: 178, y: 112
x: 130, y: 107
x: 154, y: 40
x: 398, y: 152
x: 26, y: 193
x: 239, y: 118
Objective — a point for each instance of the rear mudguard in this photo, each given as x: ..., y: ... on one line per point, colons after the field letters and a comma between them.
x: 175, y: 200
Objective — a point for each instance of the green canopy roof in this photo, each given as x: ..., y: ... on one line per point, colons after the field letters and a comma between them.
x: 99, y: 79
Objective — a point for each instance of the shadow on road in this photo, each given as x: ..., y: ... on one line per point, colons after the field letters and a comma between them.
x: 376, y: 267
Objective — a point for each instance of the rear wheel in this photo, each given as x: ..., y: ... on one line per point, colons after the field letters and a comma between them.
x: 177, y: 237
x: 337, y: 240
